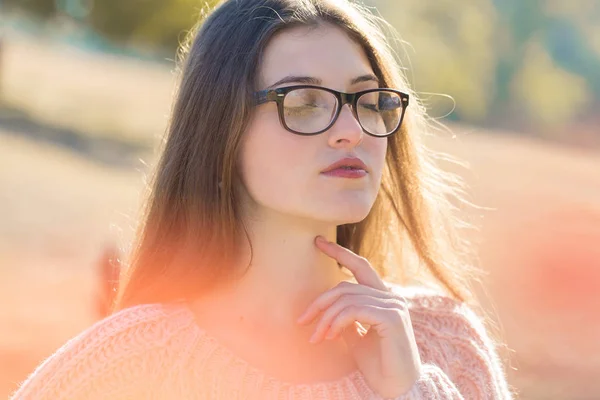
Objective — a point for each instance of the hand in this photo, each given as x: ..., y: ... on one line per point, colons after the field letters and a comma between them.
x: 386, y: 353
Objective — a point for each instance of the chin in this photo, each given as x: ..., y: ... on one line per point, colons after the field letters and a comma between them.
x: 346, y: 212
x: 351, y: 219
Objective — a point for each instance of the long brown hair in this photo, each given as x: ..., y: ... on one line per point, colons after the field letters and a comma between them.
x: 191, y: 228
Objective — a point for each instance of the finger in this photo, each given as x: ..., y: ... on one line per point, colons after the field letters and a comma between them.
x: 362, y: 270
x: 352, y: 334
x: 324, y: 325
x: 372, y: 314
x: 326, y: 299
x: 329, y: 315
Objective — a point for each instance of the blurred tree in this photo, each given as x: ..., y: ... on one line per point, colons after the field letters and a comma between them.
x: 453, y: 51
x: 77, y: 9
x: 519, y: 21
x: 550, y: 95
x: 39, y: 8
x: 546, y: 56
x: 146, y: 22
x: 503, y: 61
x: 569, y: 48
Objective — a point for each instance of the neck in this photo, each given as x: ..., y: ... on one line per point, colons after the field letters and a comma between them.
x: 287, y: 271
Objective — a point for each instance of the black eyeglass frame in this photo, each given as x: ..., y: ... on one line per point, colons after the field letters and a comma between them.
x: 278, y: 95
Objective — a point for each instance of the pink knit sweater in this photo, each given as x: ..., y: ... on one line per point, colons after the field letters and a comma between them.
x: 157, y: 351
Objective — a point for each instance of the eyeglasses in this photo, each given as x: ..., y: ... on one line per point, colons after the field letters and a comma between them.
x: 310, y: 110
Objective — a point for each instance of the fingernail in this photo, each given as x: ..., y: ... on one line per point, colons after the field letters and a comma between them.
x: 321, y: 239
x: 313, y: 338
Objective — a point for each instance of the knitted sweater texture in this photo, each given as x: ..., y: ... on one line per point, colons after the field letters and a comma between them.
x: 158, y: 351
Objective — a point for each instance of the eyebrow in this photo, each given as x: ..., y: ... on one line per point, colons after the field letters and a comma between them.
x: 311, y: 80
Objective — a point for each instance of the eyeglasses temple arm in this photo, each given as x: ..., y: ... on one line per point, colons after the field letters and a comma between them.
x: 261, y: 97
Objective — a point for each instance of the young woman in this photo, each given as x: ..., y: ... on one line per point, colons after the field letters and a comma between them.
x: 292, y: 207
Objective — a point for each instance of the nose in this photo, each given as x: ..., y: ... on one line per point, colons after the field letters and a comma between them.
x: 346, y: 132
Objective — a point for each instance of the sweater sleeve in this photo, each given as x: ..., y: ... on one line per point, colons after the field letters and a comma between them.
x: 116, y: 358
x: 459, y: 359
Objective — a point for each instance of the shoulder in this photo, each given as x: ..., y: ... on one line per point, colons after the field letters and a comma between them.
x: 114, y: 355
x: 435, y: 313
x: 451, y: 336
x: 133, y: 330
x: 440, y: 321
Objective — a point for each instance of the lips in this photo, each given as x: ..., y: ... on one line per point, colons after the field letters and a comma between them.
x: 348, y: 164
x: 349, y: 167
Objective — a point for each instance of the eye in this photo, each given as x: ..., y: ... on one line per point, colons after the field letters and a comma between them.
x: 368, y: 107
x: 301, y: 110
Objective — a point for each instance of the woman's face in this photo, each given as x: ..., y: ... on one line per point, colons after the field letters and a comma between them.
x: 282, y: 171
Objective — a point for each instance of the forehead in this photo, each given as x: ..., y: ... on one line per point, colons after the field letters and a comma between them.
x: 325, y: 52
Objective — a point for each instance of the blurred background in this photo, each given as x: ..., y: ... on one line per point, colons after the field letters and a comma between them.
x: 85, y: 92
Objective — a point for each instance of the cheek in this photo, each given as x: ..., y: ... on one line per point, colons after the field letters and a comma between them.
x: 273, y: 162
x: 377, y: 149
x: 279, y: 171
